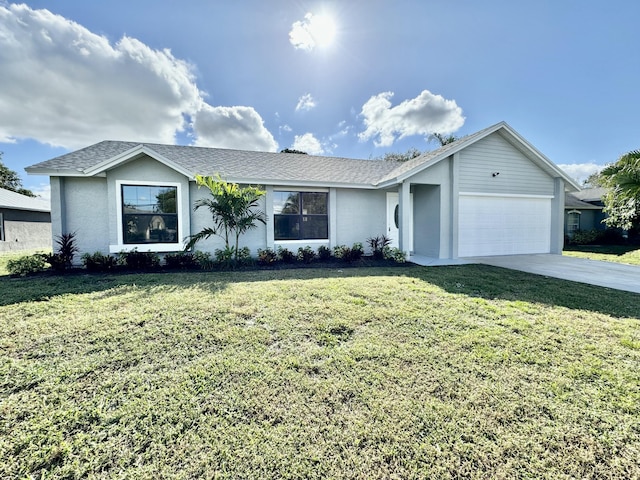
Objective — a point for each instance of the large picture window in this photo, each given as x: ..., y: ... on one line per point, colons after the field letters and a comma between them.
x: 149, y: 214
x: 300, y: 215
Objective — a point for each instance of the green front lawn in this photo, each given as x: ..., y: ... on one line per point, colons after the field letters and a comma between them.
x: 607, y: 253
x: 441, y: 372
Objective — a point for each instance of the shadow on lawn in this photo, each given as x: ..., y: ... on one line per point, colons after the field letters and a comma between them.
x: 482, y: 281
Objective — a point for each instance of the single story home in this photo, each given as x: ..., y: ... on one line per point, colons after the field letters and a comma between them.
x: 583, y: 211
x: 489, y: 193
x: 25, y: 222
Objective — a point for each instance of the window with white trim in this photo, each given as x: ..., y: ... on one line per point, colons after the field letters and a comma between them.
x: 573, y: 222
x: 300, y: 215
x: 149, y: 214
x: 1, y: 227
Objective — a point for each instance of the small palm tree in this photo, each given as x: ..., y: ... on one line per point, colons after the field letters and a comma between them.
x: 233, y: 209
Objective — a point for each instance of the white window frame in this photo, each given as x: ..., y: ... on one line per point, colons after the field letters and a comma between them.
x: 570, y: 214
x: 147, y: 247
x: 2, y: 227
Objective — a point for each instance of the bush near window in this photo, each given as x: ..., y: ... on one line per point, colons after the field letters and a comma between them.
x: 306, y: 254
x: 135, y: 260
x: 267, y: 256
x: 28, y: 264
x: 97, y: 262
x: 610, y: 236
x: 229, y: 257
x: 349, y: 254
x: 285, y: 255
x: 324, y: 253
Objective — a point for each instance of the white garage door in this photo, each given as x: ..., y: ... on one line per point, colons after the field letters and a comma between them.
x: 498, y: 225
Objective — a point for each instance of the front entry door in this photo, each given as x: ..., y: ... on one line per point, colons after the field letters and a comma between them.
x: 393, y: 219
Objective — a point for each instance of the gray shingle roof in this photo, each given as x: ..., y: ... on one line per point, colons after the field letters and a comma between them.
x: 16, y: 201
x: 258, y: 167
x: 591, y: 194
x: 571, y: 201
x: 285, y: 168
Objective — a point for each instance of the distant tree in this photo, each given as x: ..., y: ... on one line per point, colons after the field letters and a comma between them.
x: 233, y: 210
x: 442, y: 139
x: 292, y: 150
x: 10, y: 180
x: 401, y: 157
x: 593, y: 181
x: 622, y: 200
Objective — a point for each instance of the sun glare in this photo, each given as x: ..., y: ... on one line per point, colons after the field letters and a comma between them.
x: 323, y: 30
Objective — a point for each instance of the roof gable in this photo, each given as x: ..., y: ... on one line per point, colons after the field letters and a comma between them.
x: 426, y: 160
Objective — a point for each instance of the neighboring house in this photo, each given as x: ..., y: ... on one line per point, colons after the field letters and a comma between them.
x: 583, y: 211
x: 489, y: 193
x: 25, y: 222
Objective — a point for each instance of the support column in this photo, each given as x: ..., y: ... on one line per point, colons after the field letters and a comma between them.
x: 557, y: 217
x: 58, y: 207
x: 404, y: 200
x: 268, y: 209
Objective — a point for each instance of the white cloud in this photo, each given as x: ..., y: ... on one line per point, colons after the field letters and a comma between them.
x: 305, y: 102
x: 232, y: 127
x: 313, y: 31
x: 63, y: 85
x: 43, y: 190
x: 308, y: 143
x: 423, y: 115
x: 580, y: 171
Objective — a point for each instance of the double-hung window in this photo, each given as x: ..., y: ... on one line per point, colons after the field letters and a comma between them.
x: 300, y: 215
x: 149, y: 214
x: 573, y: 222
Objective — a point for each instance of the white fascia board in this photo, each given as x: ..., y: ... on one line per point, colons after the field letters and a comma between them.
x: 102, y: 167
x: 55, y: 172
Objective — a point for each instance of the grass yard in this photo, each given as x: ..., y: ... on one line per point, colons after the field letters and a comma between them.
x: 615, y: 253
x: 441, y: 372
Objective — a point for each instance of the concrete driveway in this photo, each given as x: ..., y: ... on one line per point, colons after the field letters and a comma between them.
x: 603, y: 274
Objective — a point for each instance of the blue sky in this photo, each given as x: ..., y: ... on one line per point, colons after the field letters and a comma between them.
x: 267, y: 75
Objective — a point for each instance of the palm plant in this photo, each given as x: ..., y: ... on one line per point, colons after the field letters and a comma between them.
x: 622, y: 201
x: 234, y: 211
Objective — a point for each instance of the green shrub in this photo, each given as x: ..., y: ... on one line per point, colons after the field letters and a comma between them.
x: 285, y: 255
x: 609, y: 236
x: 395, y: 254
x: 227, y: 258
x: 135, y: 260
x: 97, y: 262
x: 267, y: 256
x: 244, y: 256
x: 349, y: 254
x: 67, y: 248
x: 28, y: 264
x: 180, y: 260
x: 306, y: 254
x: 324, y: 253
x: 377, y: 245
x: 203, y: 260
